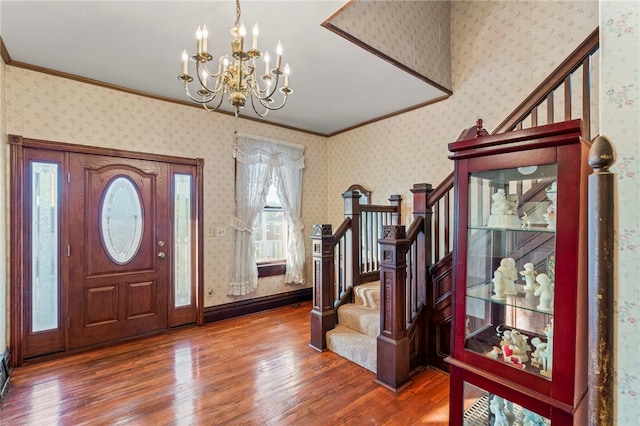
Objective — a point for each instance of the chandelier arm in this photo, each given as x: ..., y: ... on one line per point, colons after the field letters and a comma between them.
x: 200, y: 101
x: 209, y: 109
x: 199, y: 76
x: 270, y: 108
x: 253, y: 105
x: 274, y: 87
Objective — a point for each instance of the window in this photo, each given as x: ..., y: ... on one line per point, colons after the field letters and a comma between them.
x: 259, y: 164
x: 271, y: 235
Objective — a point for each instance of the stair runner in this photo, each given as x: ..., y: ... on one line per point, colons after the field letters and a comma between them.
x: 355, y: 336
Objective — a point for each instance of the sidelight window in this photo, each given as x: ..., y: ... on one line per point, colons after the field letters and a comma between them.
x: 44, y: 247
x: 182, y: 240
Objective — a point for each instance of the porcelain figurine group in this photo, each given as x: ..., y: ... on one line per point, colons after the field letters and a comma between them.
x: 515, y: 349
x: 504, y: 414
x: 504, y: 279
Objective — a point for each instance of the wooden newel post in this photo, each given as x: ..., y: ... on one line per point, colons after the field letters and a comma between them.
x: 323, y: 315
x: 601, y: 281
x: 393, y: 343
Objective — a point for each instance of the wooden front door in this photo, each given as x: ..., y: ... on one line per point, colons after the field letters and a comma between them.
x: 105, y: 245
x: 119, y: 238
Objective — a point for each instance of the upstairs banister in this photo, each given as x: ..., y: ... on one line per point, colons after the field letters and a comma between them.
x: 580, y: 57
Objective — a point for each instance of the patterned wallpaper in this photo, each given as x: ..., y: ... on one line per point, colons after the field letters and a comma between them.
x: 499, y: 54
x: 415, y: 33
x: 52, y: 108
x: 619, y: 115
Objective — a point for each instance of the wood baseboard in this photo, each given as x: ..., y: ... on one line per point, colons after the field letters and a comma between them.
x: 251, y: 306
x: 5, y: 373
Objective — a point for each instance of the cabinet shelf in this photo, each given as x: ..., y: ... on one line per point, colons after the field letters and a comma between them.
x: 521, y: 300
x: 532, y: 229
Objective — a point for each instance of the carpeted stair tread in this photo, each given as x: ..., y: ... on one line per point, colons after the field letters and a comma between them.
x: 368, y: 295
x: 360, y: 318
x: 354, y: 346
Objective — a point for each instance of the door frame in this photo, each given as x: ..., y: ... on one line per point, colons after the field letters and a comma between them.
x: 19, y: 262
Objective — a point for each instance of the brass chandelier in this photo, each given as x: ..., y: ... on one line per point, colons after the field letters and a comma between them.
x: 235, y: 76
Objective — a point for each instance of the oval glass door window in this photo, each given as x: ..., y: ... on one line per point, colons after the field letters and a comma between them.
x: 121, y: 220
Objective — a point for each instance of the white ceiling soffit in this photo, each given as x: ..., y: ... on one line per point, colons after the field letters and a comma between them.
x: 136, y: 45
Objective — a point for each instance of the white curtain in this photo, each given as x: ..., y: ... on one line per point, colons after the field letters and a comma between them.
x: 287, y: 178
x: 259, y: 163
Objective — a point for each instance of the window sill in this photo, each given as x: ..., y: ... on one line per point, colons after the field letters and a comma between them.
x: 271, y: 269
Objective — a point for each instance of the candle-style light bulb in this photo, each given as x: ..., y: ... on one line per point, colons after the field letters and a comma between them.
x: 185, y: 59
x: 225, y: 64
x: 287, y: 71
x: 199, y: 40
x: 266, y: 62
x: 256, y: 32
x: 205, y: 36
x: 279, y: 55
x: 242, y: 33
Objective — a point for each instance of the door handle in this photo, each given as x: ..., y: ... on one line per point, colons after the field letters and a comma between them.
x: 161, y: 255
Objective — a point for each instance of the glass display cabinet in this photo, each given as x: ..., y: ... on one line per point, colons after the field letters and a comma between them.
x: 520, y: 284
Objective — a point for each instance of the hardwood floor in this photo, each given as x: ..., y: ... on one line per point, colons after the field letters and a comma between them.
x: 254, y: 370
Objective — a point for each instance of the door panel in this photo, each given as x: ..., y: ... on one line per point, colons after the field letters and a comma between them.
x: 119, y: 273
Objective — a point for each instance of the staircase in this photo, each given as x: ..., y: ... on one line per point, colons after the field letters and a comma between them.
x: 409, y: 325
x: 354, y: 338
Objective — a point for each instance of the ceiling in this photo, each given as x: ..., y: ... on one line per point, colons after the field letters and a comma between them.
x: 136, y: 45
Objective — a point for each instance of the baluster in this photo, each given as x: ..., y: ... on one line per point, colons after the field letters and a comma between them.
x: 586, y: 99
x: 446, y: 216
x: 567, y: 98
x: 436, y: 231
x: 550, y: 116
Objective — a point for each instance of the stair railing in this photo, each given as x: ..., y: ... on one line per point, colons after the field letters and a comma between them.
x: 553, y: 100
x: 346, y: 259
x: 403, y: 274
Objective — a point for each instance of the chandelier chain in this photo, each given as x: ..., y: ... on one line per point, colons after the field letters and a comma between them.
x: 238, y: 13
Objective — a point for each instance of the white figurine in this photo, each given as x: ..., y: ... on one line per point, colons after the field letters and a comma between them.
x: 532, y: 419
x: 498, y: 286
x: 503, y: 211
x: 546, y: 355
x: 535, y: 355
x: 545, y: 291
x: 529, y: 276
x: 514, y: 347
x: 496, y: 406
x: 500, y: 205
x: 550, y: 215
x: 509, y: 275
x: 495, y: 352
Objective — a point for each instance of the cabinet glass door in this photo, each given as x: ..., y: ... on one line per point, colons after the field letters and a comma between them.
x: 510, y: 261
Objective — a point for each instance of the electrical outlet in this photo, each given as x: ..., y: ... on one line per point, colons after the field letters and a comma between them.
x: 221, y: 231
